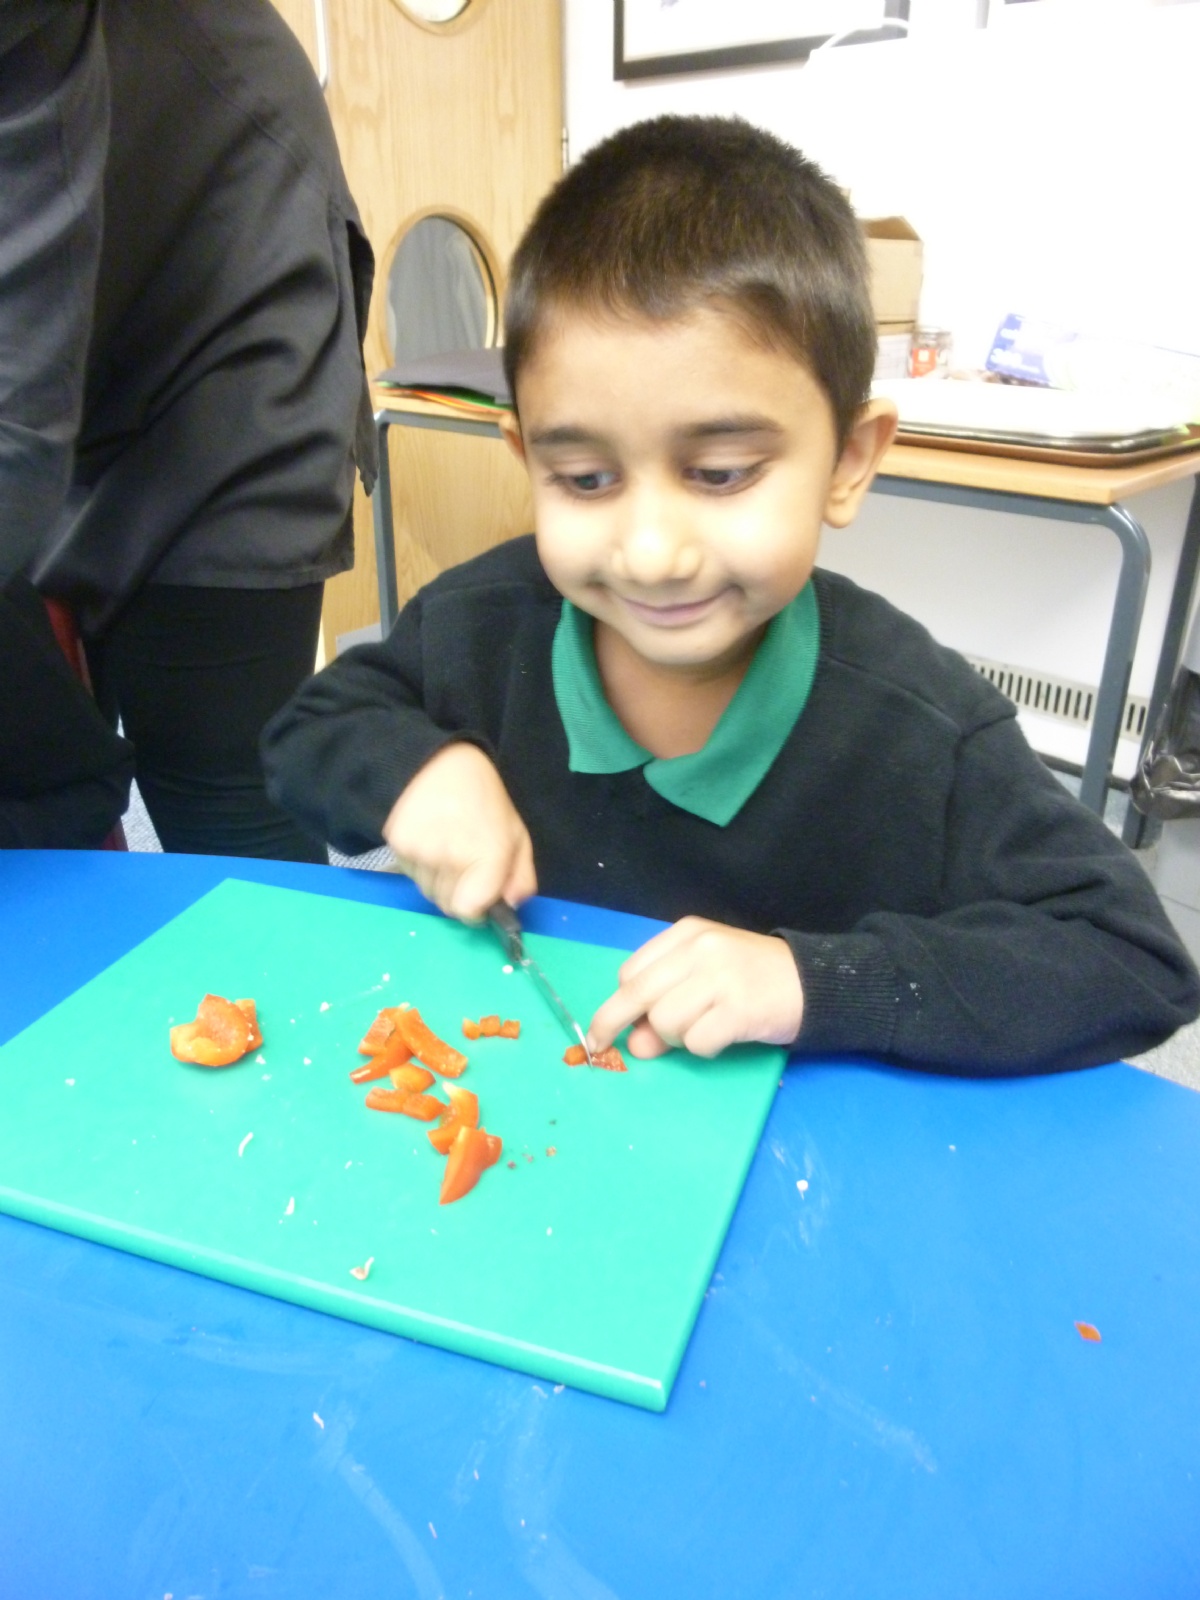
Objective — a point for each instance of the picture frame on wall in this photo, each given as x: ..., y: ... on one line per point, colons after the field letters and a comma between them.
x: 660, y: 38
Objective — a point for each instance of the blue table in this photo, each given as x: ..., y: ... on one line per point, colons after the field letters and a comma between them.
x: 885, y: 1395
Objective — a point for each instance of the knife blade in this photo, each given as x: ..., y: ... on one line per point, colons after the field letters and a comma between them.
x: 507, y: 926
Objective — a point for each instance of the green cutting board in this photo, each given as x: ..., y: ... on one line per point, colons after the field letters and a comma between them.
x: 582, y: 1257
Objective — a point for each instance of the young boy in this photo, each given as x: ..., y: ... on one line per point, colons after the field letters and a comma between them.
x: 657, y: 704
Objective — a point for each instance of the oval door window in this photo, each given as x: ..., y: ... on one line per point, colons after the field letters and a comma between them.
x: 434, y: 10
x: 440, y: 293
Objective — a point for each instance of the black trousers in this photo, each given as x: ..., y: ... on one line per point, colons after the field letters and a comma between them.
x: 193, y: 675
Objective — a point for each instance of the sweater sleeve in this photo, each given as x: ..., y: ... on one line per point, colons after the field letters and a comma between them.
x: 339, y: 754
x: 1050, y: 949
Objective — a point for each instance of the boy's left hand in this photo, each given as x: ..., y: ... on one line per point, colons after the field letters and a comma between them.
x: 703, y: 985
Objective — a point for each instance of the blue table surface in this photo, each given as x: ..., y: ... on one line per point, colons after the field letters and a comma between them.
x: 885, y: 1395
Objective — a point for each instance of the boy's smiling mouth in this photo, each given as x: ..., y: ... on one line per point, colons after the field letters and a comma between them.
x: 673, y: 613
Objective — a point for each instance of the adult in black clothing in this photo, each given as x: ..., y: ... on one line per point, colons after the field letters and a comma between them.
x: 183, y: 288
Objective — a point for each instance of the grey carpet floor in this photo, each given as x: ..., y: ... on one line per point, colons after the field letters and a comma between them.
x: 1178, y: 1059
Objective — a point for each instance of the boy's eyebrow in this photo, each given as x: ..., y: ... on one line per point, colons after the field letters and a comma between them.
x: 719, y: 426
x: 713, y: 428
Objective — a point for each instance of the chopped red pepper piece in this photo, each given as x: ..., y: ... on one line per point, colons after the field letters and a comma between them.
x: 1088, y: 1331
x: 377, y: 1067
x: 575, y: 1055
x: 471, y: 1030
x: 463, y: 1113
x: 220, y: 1035
x: 422, y: 1106
x: 380, y: 1031
x: 611, y: 1059
x: 510, y: 1029
x: 472, y: 1152
x: 411, y: 1078
x: 250, y: 1011
x: 489, y: 1026
x: 431, y: 1051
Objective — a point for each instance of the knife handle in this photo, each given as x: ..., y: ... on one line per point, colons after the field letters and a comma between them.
x: 507, y: 923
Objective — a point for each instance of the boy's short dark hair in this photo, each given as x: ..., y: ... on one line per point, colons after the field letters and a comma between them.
x: 672, y: 213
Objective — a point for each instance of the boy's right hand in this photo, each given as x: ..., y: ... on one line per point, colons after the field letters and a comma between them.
x: 457, y: 834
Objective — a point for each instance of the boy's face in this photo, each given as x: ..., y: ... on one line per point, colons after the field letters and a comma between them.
x: 681, y: 473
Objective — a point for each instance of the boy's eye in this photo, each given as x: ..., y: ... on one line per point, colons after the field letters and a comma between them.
x: 722, y: 477
x: 584, y: 484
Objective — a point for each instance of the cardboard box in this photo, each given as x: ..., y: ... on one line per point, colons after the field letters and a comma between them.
x: 894, y: 255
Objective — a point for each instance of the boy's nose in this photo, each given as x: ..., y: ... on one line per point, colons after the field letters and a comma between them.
x: 656, y: 544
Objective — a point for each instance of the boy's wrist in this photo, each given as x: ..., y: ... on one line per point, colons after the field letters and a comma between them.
x: 850, y: 993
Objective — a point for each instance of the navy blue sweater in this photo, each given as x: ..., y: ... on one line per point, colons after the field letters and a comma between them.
x: 948, y: 904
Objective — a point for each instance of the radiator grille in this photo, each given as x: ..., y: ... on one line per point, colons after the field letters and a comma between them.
x: 1057, y: 697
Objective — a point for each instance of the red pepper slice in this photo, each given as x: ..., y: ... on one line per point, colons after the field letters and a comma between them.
x: 489, y: 1026
x: 250, y: 1011
x: 510, y: 1029
x: 431, y: 1051
x: 410, y: 1078
x: 220, y: 1035
x: 422, y: 1106
x: 377, y: 1067
x: 463, y: 1113
x: 472, y: 1152
x: 471, y: 1030
x: 575, y: 1055
x: 611, y: 1059
x: 380, y: 1031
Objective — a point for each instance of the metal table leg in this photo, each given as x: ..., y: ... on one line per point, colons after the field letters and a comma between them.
x: 1139, y: 831
x: 1127, y: 606
x: 381, y: 497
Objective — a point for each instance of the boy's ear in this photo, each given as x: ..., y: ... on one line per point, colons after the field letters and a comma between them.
x: 873, y: 431
x: 510, y: 432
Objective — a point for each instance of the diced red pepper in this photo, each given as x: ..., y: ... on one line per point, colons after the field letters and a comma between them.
x: 611, y: 1059
x: 422, y: 1106
x: 471, y: 1029
x: 431, y: 1051
x: 510, y: 1029
x: 489, y: 1026
x: 411, y: 1078
x: 220, y: 1035
x: 380, y: 1031
x: 250, y: 1011
x: 463, y: 1113
x: 472, y: 1152
x: 371, y: 1070
x: 575, y: 1055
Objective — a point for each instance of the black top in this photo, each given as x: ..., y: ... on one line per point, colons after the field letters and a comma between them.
x: 948, y: 904
x: 224, y: 396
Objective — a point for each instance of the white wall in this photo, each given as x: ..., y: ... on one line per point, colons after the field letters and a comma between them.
x: 1050, y: 170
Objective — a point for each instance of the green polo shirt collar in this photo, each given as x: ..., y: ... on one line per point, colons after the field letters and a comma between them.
x: 716, y: 781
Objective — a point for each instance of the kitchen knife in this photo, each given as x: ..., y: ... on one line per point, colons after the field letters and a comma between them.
x: 507, y: 925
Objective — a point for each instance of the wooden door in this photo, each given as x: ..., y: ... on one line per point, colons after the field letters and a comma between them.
x: 460, y: 119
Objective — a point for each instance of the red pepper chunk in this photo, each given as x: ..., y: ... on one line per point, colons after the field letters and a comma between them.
x: 575, y: 1055
x: 411, y: 1079
x: 463, y: 1113
x: 431, y: 1051
x: 472, y: 1152
x: 221, y: 1034
x: 380, y: 1031
x: 510, y: 1029
x: 471, y: 1030
x: 422, y: 1106
x: 377, y: 1067
x: 489, y: 1026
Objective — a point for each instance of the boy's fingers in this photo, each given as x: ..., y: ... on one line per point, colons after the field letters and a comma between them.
x: 644, y: 1043
x: 639, y: 995
x: 679, y: 934
x: 479, y: 886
